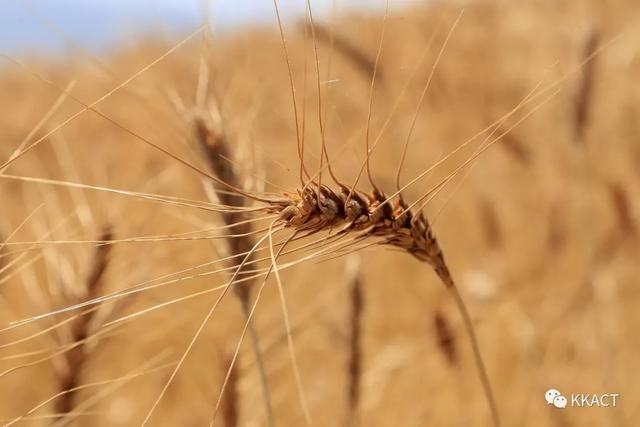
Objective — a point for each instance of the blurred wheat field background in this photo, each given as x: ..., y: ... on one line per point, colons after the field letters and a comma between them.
x: 541, y: 231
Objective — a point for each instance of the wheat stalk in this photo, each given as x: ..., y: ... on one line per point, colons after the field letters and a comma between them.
x: 361, y: 61
x: 623, y: 209
x: 445, y: 337
x: 556, y: 237
x: 490, y: 223
x: 584, y: 96
x: 230, y: 402
x: 515, y: 148
x: 77, y: 356
x: 625, y: 228
x: 214, y: 147
x: 354, y: 360
x: 2, y: 253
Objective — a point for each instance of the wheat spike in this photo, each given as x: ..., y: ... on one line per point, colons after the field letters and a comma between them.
x: 214, y: 147
x: 392, y: 223
x: 81, y: 329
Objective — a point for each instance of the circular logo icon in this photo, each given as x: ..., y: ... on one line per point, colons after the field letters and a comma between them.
x: 555, y: 398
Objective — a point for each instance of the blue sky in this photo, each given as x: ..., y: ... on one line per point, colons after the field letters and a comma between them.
x: 99, y: 24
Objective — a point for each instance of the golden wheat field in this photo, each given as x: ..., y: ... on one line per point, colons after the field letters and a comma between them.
x: 152, y: 200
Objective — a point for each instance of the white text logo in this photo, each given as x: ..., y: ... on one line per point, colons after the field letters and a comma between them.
x: 581, y: 400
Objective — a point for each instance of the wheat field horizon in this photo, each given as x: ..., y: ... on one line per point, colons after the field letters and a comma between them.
x: 423, y: 215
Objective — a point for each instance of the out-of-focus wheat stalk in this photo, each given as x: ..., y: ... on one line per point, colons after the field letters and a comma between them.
x: 81, y: 329
x: 625, y: 226
x: 362, y: 62
x: 584, y: 96
x: 556, y: 229
x: 231, y: 400
x: 445, y: 337
x: 490, y: 223
x: 215, y: 149
x: 2, y: 241
x: 354, y: 358
x: 622, y: 208
x: 515, y: 148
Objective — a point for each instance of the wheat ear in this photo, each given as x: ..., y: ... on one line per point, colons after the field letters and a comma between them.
x: 390, y: 220
x: 76, y: 358
x: 214, y: 147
